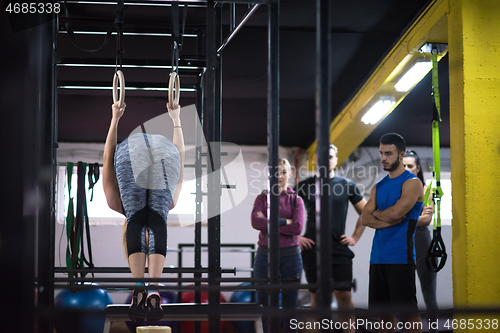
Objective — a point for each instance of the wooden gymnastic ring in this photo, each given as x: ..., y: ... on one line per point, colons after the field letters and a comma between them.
x: 118, y: 77
x: 174, y: 91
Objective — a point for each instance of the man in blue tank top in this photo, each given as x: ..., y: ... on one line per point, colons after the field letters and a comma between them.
x: 393, y: 209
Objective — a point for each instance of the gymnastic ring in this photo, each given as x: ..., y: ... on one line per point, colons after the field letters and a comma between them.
x: 118, y: 77
x: 174, y: 91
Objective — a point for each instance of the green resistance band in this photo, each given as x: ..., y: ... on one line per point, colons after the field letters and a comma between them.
x: 77, y: 225
x: 436, y: 254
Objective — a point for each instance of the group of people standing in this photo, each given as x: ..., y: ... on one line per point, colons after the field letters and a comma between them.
x: 142, y: 179
x: 394, y: 209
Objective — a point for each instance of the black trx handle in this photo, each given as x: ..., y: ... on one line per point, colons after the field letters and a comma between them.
x: 436, y: 254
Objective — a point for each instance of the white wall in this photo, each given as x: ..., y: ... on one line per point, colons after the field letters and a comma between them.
x: 235, y: 218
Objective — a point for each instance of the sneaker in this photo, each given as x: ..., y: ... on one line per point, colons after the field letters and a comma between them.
x: 137, y: 310
x: 154, y: 310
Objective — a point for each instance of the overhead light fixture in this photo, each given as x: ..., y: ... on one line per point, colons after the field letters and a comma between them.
x: 378, y: 110
x: 154, y: 34
x: 157, y: 4
x: 129, y: 66
x: 413, y: 76
x: 126, y: 88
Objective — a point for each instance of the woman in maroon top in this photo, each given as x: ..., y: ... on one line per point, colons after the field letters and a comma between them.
x: 291, y: 221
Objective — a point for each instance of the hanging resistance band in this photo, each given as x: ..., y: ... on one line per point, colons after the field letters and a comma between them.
x: 93, y: 177
x: 436, y: 254
x: 71, y: 247
x: 77, y: 226
x: 82, y: 217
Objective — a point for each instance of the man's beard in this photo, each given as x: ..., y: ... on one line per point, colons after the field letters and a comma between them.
x: 393, y: 166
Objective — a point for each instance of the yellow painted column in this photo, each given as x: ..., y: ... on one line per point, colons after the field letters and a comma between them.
x: 474, y: 61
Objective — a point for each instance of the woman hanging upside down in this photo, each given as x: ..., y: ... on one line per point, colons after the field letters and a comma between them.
x: 142, y: 179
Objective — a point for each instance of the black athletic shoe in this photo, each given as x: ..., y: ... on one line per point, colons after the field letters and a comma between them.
x: 154, y: 310
x: 137, y: 310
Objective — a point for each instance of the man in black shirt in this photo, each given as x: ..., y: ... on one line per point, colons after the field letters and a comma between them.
x: 342, y: 191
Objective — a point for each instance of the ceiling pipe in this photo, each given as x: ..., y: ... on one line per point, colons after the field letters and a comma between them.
x: 235, y: 31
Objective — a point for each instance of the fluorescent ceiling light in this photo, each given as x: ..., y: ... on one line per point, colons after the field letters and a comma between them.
x: 126, y: 88
x: 155, y: 34
x: 413, y: 76
x: 378, y: 110
x: 127, y: 66
x: 134, y: 3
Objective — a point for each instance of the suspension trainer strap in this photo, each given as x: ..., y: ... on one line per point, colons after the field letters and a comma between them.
x: 435, y: 86
x: 119, y: 35
x: 118, y: 77
x: 436, y: 118
x: 184, y: 17
x: 436, y: 254
x: 175, y: 36
x: 83, y: 219
x: 80, y: 204
x: 70, y: 220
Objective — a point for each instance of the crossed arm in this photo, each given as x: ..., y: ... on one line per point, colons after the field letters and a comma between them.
x: 288, y: 226
x: 411, y: 192
x: 425, y: 217
x: 359, y: 229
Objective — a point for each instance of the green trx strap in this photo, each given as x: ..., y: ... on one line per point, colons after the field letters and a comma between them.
x: 436, y: 254
x: 74, y: 232
x: 77, y: 226
x: 70, y: 221
x: 83, y: 219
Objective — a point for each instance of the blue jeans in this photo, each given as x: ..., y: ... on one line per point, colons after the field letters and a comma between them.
x: 290, y: 267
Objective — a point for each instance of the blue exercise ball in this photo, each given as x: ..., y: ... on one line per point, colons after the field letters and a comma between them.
x: 243, y: 296
x: 246, y: 297
x: 166, y: 298
x: 81, y: 312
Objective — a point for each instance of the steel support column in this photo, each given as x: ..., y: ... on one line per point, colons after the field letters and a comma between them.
x: 47, y: 166
x: 27, y: 104
x: 198, y: 173
x: 273, y: 150
x: 213, y: 108
x: 323, y: 119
